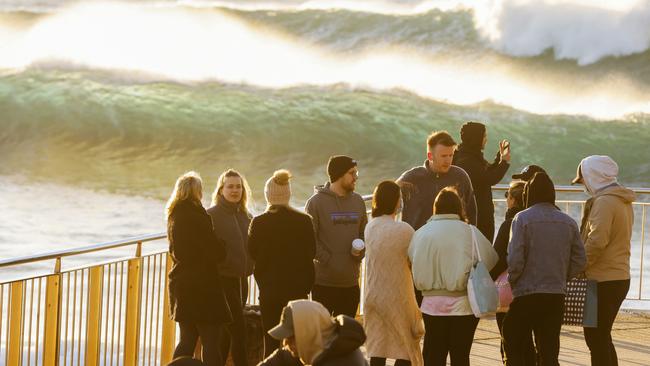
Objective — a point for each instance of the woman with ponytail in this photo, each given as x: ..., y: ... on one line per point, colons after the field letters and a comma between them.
x: 281, y: 242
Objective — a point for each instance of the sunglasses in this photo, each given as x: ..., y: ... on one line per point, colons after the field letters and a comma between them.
x: 506, y: 194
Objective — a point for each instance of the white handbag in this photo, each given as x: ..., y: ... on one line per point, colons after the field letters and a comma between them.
x: 481, y: 290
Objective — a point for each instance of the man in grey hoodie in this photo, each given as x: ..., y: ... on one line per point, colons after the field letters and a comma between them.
x: 339, y: 217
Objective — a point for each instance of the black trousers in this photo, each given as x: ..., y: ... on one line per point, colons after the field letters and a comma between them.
x: 448, y: 335
x: 234, y: 337
x: 543, y: 314
x: 209, y: 334
x: 380, y: 361
x: 530, y: 354
x: 599, y: 340
x: 271, y: 305
x: 338, y: 300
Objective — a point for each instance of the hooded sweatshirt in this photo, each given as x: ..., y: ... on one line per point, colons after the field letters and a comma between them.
x: 337, y: 222
x: 420, y: 186
x: 607, y: 221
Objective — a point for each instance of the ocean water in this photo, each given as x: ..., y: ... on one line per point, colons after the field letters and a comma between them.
x: 104, y: 104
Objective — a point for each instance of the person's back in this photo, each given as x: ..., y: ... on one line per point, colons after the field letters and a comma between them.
x: 311, y: 337
x: 443, y: 253
x: 344, y: 349
x: 282, y: 243
x: 606, y: 229
x: 542, y: 250
x: 283, y: 247
x: 545, y: 251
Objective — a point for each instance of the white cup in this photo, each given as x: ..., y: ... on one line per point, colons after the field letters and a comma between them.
x: 357, y: 247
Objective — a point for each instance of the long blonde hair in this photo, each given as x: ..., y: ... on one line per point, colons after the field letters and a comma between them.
x: 246, y: 190
x: 188, y: 186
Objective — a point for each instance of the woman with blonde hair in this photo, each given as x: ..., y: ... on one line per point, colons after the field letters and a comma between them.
x: 282, y: 242
x: 195, y: 294
x: 393, y: 322
x: 230, y: 218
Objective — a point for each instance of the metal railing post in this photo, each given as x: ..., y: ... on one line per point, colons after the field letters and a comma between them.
x: 93, y: 322
x: 643, y: 217
x: 52, y: 316
x: 168, y: 325
x: 133, y: 300
x: 14, y: 343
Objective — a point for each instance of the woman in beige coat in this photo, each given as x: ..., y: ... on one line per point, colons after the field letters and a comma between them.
x: 392, y: 320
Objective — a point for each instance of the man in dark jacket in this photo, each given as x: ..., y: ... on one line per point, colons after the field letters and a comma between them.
x: 469, y: 156
x: 311, y: 337
x: 421, y: 185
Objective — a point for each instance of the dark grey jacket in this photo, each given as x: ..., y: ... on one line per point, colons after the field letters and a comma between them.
x: 231, y: 225
x: 420, y: 186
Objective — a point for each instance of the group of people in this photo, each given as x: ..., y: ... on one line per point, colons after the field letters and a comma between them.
x: 417, y: 267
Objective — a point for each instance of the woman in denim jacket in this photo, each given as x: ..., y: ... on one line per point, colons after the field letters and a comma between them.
x: 545, y: 251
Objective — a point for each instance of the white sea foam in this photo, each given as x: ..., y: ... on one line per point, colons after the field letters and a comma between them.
x: 574, y: 30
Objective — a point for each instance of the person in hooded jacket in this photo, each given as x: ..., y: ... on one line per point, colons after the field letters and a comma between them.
x: 469, y: 156
x: 606, y: 230
x: 310, y: 336
x: 196, y: 296
x: 282, y: 243
x: 545, y: 251
x: 339, y: 217
x: 515, y: 203
x: 230, y: 217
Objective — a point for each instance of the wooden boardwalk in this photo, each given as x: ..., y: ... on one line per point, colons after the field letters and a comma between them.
x: 631, y: 335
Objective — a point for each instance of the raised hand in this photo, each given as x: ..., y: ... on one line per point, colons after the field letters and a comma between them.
x: 504, y: 150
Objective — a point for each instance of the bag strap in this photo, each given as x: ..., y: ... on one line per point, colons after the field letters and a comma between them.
x: 475, y: 251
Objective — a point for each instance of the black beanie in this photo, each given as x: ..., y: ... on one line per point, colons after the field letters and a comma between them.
x: 338, y: 165
x: 540, y: 189
x: 471, y: 134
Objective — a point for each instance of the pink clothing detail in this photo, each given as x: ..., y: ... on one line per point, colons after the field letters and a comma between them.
x: 446, y: 306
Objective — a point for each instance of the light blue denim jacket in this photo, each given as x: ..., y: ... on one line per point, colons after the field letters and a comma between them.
x: 545, y: 251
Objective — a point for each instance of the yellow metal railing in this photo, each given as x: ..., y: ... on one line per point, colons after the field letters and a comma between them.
x: 113, y: 313
x: 117, y: 312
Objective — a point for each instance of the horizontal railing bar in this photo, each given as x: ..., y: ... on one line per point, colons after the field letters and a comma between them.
x: 574, y: 189
x: 82, y: 250
x: 84, y: 266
